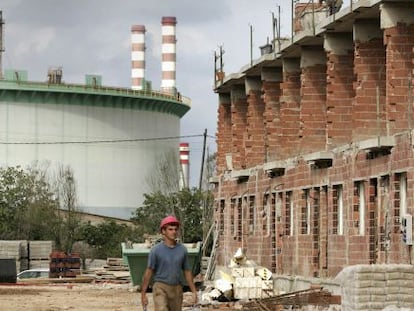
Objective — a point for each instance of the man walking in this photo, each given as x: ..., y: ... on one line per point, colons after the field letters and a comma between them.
x: 166, y: 261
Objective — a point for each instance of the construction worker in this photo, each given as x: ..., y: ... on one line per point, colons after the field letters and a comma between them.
x: 333, y: 5
x: 166, y: 261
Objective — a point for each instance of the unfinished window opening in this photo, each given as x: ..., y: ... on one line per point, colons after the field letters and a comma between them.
x: 314, y: 204
x: 373, y: 220
x: 239, y: 223
x: 358, y: 213
x: 252, y: 200
x: 289, y: 214
x: 233, y: 203
x: 337, y: 210
x: 267, y: 215
x: 221, y: 215
x: 271, y: 227
x: 305, y: 212
x: 400, y: 199
x: 384, y: 201
x: 278, y: 204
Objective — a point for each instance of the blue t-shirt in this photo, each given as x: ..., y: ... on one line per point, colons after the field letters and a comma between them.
x: 168, y: 263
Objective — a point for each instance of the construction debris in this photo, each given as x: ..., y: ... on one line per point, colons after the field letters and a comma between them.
x: 246, y: 281
x: 251, y: 287
x: 312, y: 296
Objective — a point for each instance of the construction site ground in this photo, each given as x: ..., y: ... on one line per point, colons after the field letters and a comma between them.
x: 78, y: 296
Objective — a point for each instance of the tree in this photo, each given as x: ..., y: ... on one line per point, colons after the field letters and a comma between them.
x: 27, y: 204
x: 70, y: 221
x: 106, y: 238
x: 185, y: 204
x: 165, y: 176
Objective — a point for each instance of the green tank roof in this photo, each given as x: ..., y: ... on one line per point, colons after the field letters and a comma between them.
x: 94, y: 95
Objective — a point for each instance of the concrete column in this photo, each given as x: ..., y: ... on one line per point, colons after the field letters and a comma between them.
x: 224, y: 136
x: 239, y: 126
x: 272, y: 77
x: 397, y: 22
x: 255, y: 149
x: 290, y: 108
x: 339, y: 88
x: 369, y: 68
x: 312, y: 131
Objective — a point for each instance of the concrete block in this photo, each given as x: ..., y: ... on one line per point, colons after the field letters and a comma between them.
x: 248, y: 271
x: 237, y: 272
x: 267, y: 285
x: 255, y: 292
x: 267, y: 293
x: 241, y: 293
x: 248, y: 282
x: 239, y: 282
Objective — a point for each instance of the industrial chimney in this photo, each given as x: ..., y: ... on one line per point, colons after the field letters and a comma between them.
x: 184, y: 165
x: 168, y: 54
x: 138, y: 57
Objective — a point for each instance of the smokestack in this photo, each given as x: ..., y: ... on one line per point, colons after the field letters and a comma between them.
x: 184, y: 165
x: 168, y: 54
x: 138, y: 57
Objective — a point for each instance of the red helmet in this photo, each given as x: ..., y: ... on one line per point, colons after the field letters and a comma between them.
x: 169, y: 220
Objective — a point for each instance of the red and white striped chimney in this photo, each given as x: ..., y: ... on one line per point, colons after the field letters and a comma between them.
x: 184, y: 165
x: 138, y: 56
x: 168, y: 54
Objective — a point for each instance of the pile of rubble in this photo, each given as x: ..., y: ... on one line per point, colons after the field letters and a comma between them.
x: 246, y: 280
x: 247, y: 286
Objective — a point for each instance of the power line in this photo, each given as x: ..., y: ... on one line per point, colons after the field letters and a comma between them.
x: 104, y: 141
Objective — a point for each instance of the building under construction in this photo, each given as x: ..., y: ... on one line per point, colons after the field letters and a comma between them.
x: 112, y: 138
x: 315, y: 166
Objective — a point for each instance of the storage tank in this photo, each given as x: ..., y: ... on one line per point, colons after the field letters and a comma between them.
x: 110, y: 137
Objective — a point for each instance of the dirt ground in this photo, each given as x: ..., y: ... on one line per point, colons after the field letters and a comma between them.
x: 82, y: 297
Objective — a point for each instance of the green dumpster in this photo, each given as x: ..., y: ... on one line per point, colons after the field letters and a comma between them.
x: 136, y: 256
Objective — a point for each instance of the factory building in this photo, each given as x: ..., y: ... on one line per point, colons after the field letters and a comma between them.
x: 315, y: 166
x: 112, y: 138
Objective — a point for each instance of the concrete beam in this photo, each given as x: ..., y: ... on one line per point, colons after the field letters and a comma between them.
x: 311, y: 56
x: 338, y: 43
x: 366, y: 30
x: 291, y: 65
x: 237, y: 93
x: 392, y: 14
x: 272, y: 74
x: 252, y: 84
x: 224, y: 99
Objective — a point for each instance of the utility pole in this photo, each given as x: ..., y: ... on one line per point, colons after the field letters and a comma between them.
x: 202, y: 160
x: 1, y: 44
x: 251, y: 45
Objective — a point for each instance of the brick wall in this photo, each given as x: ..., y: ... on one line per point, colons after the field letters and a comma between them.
x: 289, y: 111
x: 342, y: 205
x: 399, y: 60
x: 271, y: 118
x: 255, y: 142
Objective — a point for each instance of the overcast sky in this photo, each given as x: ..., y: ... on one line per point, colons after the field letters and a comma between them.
x: 93, y: 37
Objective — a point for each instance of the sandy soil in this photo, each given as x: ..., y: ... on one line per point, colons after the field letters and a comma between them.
x: 82, y: 297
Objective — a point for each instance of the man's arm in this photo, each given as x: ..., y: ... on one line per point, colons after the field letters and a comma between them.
x: 190, y: 281
x: 145, y: 283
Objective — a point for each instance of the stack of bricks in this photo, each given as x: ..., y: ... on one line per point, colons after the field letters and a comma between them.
x: 248, y: 285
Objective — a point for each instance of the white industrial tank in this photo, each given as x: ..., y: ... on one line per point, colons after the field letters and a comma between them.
x: 111, y: 138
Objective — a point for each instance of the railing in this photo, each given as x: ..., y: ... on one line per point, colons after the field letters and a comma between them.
x: 175, y: 96
x: 316, y: 5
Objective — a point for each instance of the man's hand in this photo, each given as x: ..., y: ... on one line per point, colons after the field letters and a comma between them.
x: 144, y: 300
x: 195, y: 298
